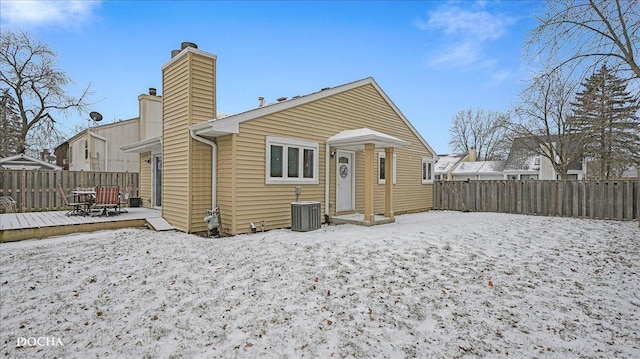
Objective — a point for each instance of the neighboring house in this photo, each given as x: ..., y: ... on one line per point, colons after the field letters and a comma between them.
x: 62, y: 155
x: 24, y: 162
x: 347, y: 147
x: 478, y: 170
x: 447, y: 163
x: 631, y: 172
x: 593, y: 171
x: 98, y: 148
x: 525, y: 163
x: 148, y: 149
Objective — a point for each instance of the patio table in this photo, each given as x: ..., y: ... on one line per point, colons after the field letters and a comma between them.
x: 86, y: 196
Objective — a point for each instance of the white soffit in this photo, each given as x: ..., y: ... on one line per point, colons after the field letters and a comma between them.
x: 150, y: 144
x: 357, y: 138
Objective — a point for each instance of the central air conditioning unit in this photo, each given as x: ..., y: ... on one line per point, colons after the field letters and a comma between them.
x: 305, y: 216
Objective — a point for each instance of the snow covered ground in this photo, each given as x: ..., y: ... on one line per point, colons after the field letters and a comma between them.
x: 436, y: 284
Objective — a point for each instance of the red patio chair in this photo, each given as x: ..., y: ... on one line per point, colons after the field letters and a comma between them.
x: 107, y: 197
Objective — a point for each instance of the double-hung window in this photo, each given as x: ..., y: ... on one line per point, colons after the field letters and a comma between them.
x: 427, y: 170
x: 381, y: 168
x: 291, y: 161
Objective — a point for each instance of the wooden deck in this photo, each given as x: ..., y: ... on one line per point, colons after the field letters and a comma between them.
x: 19, y: 226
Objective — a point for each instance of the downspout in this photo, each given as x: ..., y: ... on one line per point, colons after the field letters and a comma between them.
x: 214, y: 165
x: 327, y: 154
x: 106, y: 149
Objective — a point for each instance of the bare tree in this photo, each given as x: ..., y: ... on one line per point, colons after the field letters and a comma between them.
x: 486, y: 131
x: 585, y: 34
x: 543, y: 122
x: 38, y: 88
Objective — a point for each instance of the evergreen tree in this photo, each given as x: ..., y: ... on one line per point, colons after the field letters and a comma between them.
x: 9, y: 125
x: 607, y: 115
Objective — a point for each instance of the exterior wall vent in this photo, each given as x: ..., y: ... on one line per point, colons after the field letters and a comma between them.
x: 280, y: 99
x: 305, y: 216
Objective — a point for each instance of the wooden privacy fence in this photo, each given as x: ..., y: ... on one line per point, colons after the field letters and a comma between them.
x: 570, y: 198
x: 36, y: 190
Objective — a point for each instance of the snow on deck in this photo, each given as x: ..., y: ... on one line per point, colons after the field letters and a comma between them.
x: 435, y: 284
x: 14, y: 221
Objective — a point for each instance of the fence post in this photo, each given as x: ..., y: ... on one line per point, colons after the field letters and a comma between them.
x: 23, y: 189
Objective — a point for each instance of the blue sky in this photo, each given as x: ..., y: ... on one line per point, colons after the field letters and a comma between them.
x: 432, y: 58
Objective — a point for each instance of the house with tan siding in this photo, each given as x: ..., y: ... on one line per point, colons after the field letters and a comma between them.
x: 347, y: 147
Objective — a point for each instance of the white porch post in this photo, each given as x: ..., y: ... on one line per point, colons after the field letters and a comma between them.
x: 388, y: 186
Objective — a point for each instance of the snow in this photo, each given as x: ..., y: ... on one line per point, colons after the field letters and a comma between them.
x: 358, y: 137
x: 435, y: 284
x: 479, y: 167
x: 446, y: 162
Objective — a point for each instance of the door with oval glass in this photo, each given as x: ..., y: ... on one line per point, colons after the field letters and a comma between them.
x: 345, y: 181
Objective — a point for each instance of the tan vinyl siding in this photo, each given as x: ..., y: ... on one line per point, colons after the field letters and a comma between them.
x: 145, y: 179
x: 201, y: 108
x: 175, y: 145
x: 225, y: 193
x: 315, y: 122
x: 200, y: 175
x: 188, y: 98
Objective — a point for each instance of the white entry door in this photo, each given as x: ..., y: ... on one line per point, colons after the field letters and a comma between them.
x: 345, y: 181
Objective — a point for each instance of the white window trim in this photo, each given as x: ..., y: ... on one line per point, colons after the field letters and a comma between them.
x: 395, y: 168
x: 286, y: 143
x: 427, y: 160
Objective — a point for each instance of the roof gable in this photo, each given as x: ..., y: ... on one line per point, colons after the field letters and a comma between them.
x: 100, y: 127
x: 231, y: 124
x: 22, y: 161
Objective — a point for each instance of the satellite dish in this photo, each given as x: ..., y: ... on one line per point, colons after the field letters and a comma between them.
x: 96, y: 116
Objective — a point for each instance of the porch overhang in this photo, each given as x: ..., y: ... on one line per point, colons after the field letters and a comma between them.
x: 153, y: 144
x: 355, y: 140
x: 368, y: 140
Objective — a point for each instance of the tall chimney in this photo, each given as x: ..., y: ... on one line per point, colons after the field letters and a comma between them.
x: 260, y: 101
x: 473, y: 155
x: 187, y: 160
